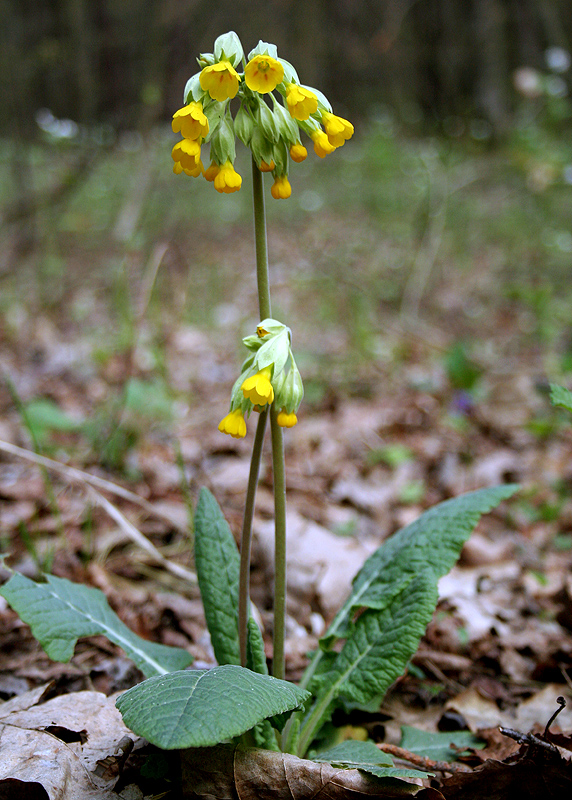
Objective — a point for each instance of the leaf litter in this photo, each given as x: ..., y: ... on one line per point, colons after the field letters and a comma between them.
x: 499, y: 648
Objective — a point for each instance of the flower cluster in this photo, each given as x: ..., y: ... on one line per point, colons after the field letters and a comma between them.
x: 268, y: 125
x: 269, y: 375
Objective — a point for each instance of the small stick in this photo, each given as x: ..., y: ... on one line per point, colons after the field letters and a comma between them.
x: 422, y: 762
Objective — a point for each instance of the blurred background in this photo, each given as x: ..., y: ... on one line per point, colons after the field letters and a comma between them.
x: 434, y: 247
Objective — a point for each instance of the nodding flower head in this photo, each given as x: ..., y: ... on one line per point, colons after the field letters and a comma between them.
x: 281, y: 188
x: 286, y: 420
x: 186, y: 153
x: 338, y: 129
x: 301, y: 102
x: 322, y: 145
x: 191, y: 122
x: 258, y: 388
x: 233, y: 424
x: 227, y: 180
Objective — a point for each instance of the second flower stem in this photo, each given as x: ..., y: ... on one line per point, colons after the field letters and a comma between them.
x: 278, y: 470
x: 246, y: 539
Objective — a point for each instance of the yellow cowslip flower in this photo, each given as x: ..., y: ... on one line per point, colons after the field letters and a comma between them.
x: 220, y: 80
x: 233, y: 424
x: 191, y: 122
x: 301, y: 102
x: 227, y: 180
x: 322, y: 145
x: 194, y: 173
x: 286, y: 420
x: 281, y: 189
x: 258, y: 388
x: 264, y: 167
x: 187, y: 153
x: 337, y: 129
x: 263, y: 74
x: 211, y: 172
x: 298, y: 153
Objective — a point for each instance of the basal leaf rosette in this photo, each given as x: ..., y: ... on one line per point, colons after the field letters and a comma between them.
x: 269, y: 377
x: 259, y: 100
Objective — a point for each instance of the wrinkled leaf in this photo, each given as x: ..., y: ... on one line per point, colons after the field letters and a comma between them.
x: 355, y: 752
x: 434, y: 540
x: 367, y: 757
x: 376, y: 654
x: 217, y: 563
x: 437, y: 746
x: 227, y: 772
x: 59, y: 612
x: 200, y: 708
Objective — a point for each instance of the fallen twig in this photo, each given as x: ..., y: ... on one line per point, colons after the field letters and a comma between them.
x: 422, y: 762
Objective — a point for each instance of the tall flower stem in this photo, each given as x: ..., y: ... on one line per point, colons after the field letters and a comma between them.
x: 263, y: 283
x: 246, y: 539
x: 262, y: 273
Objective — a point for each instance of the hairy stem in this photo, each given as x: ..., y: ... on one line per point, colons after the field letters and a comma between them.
x: 279, y: 546
x: 263, y: 280
x: 246, y: 539
x: 262, y: 274
x: 263, y: 283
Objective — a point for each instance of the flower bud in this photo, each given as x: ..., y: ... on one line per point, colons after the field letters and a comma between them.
x: 243, y: 125
x: 228, y: 48
x: 223, y: 147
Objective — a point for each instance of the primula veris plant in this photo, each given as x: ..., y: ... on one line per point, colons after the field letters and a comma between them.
x: 274, y: 110
x: 372, y: 638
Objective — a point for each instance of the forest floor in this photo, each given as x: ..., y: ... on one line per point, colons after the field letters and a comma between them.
x: 430, y: 303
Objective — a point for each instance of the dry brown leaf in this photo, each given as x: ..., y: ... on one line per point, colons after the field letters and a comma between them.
x: 33, y: 750
x: 320, y: 564
x: 226, y: 772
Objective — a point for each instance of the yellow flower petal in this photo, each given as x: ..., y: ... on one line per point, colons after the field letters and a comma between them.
x: 338, y: 129
x: 302, y: 103
x: 281, y: 189
x: 220, y: 80
x: 191, y: 122
x: 298, y: 153
x: 227, y: 180
x: 263, y: 74
x: 322, y: 145
x: 233, y: 424
x: 286, y: 420
x: 258, y: 388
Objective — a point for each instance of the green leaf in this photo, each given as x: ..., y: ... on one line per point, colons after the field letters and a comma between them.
x: 201, y: 708
x: 367, y: 757
x: 59, y: 612
x: 217, y: 563
x: 354, y: 752
x: 437, y: 746
x: 376, y: 653
x: 255, y: 657
x: 397, y: 587
x: 434, y: 540
x: 43, y: 414
x: 559, y: 396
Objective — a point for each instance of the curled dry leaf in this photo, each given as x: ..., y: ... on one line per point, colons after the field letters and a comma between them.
x: 228, y: 772
x: 61, y: 745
